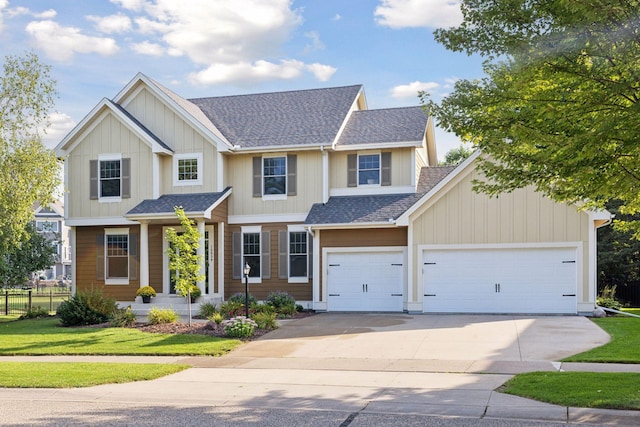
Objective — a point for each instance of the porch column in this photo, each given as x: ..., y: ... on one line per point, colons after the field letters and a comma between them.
x: 220, y: 259
x: 201, y: 254
x: 144, y: 253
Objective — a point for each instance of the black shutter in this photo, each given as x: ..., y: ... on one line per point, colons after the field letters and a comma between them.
x: 134, y: 259
x: 265, y: 249
x: 283, y: 244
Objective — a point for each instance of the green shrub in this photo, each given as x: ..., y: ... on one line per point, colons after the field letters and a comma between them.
x: 239, y: 327
x: 263, y: 308
x: 279, y: 299
x: 299, y: 308
x: 36, y: 312
x: 240, y: 297
x: 123, y: 318
x: 265, y: 320
x: 607, y: 298
x: 217, y: 318
x: 207, y: 309
x: 231, y: 309
x: 87, y: 308
x: 162, y: 315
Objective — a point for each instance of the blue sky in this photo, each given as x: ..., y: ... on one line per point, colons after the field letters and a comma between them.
x: 202, y: 48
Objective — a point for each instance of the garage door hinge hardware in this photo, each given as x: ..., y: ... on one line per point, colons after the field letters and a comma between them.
x: 399, y: 265
x: 396, y: 295
x: 334, y: 265
x: 429, y: 263
x: 498, y: 287
x: 568, y: 262
x: 334, y: 295
x: 429, y: 295
x: 568, y: 295
x: 365, y: 287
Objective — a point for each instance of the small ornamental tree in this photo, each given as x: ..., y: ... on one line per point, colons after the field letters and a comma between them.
x: 184, y: 261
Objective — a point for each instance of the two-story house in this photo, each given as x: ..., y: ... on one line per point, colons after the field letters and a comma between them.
x: 49, y: 220
x: 341, y: 206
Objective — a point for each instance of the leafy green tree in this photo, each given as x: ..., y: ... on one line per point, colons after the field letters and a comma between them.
x: 456, y: 156
x: 558, y: 108
x: 183, y: 258
x: 28, y: 170
x: 34, y: 252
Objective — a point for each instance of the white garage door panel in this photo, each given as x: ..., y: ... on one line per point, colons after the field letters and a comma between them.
x: 370, y: 281
x: 539, y: 280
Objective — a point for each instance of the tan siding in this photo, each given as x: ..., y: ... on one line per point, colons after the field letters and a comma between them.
x: 85, y: 251
x: 462, y: 216
x: 309, y: 183
x: 401, y: 167
x: 300, y: 291
x: 109, y: 136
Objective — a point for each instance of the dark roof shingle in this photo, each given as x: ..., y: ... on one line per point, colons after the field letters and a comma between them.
x: 304, y: 117
x: 194, y: 203
x: 406, y: 124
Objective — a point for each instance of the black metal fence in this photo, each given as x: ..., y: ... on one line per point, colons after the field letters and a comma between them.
x: 21, y: 301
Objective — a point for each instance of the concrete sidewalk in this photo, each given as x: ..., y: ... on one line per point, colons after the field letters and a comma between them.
x: 369, y: 364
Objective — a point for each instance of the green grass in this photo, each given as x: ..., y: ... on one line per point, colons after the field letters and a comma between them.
x: 578, y: 389
x: 65, y: 375
x: 587, y: 389
x: 624, y: 346
x: 46, y: 337
x: 635, y: 311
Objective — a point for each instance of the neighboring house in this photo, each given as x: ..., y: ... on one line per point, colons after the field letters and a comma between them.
x: 341, y: 206
x: 49, y: 220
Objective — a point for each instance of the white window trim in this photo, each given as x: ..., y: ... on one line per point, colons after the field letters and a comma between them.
x: 372, y: 153
x: 247, y: 230
x: 116, y: 231
x: 296, y: 229
x: 286, y: 178
x: 46, y: 221
x: 198, y: 157
x: 104, y: 158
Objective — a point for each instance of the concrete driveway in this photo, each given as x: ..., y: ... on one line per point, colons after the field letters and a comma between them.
x: 430, y: 343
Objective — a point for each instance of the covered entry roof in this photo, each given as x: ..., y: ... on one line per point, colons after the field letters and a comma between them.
x: 196, y: 205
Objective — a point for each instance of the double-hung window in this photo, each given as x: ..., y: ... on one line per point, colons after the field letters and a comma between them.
x: 116, y: 256
x: 110, y: 178
x: 369, y: 169
x: 298, y: 255
x: 187, y: 169
x: 274, y: 176
x: 47, y: 226
x: 251, y: 252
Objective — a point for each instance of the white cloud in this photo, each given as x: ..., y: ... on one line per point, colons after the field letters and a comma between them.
x: 3, y: 4
x: 245, y: 72
x: 134, y: 5
x: 418, y: 13
x: 111, y: 24
x: 148, y: 48
x: 20, y: 10
x: 411, y: 90
x: 316, y: 43
x: 60, y: 125
x: 337, y: 17
x: 321, y: 72
x: 61, y: 43
x: 47, y: 14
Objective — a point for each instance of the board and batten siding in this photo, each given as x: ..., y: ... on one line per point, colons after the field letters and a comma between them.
x: 209, y: 169
x: 108, y: 136
x: 461, y: 216
x: 239, y: 171
x: 401, y: 167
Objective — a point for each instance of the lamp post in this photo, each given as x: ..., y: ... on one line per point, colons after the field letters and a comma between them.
x: 247, y: 270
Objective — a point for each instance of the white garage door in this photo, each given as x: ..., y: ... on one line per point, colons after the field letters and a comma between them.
x: 371, y: 281
x: 523, y: 280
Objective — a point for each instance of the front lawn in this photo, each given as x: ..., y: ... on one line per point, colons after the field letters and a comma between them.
x: 587, y: 389
x: 46, y: 337
x: 64, y: 375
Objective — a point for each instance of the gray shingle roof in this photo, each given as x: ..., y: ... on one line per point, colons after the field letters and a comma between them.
x: 304, y: 117
x: 191, y: 203
x: 388, y: 125
x: 374, y: 208
x: 360, y: 209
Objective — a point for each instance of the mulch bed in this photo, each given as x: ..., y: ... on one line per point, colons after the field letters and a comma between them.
x: 204, y: 328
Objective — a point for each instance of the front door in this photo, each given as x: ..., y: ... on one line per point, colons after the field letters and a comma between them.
x: 169, y: 285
